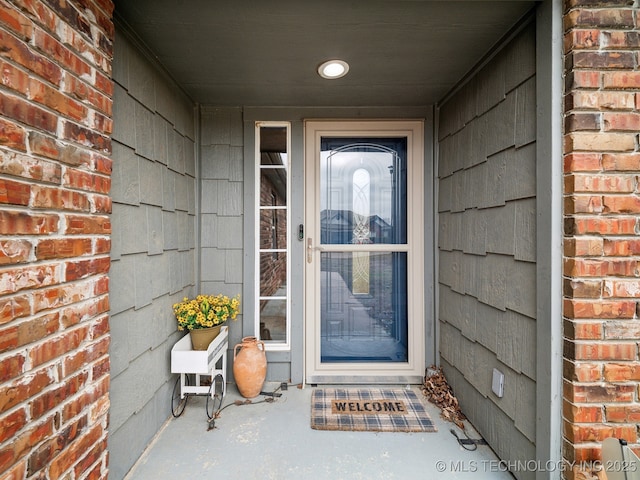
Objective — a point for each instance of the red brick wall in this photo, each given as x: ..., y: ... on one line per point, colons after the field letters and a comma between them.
x: 55, y: 125
x: 601, y: 247
x: 273, y: 268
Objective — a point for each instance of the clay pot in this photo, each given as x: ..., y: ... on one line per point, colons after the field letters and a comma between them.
x: 249, y: 366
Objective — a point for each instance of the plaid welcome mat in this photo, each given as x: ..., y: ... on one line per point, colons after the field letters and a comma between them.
x: 369, y: 409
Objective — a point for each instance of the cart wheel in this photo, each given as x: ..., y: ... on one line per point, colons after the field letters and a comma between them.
x: 178, y: 404
x: 215, y: 395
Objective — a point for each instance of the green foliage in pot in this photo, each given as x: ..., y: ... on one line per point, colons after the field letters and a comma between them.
x: 205, y: 311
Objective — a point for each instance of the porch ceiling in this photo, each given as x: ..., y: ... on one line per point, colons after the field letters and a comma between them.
x: 265, y: 52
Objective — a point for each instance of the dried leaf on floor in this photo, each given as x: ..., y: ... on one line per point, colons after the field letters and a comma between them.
x: 439, y: 392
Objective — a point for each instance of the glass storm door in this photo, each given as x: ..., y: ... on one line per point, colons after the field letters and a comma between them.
x: 364, y: 315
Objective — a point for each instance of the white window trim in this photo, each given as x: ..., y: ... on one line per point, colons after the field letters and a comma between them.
x: 271, y: 345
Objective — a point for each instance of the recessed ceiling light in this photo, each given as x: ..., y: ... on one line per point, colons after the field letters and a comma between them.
x: 333, y: 69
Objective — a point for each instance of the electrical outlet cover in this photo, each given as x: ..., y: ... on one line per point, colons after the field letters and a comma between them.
x: 497, y: 383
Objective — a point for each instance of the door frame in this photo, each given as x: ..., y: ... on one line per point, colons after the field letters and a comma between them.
x: 413, y: 370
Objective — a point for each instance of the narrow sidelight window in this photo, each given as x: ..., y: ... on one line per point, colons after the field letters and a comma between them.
x: 272, y: 233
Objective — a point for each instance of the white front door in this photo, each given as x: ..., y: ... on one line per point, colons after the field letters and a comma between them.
x: 364, y: 275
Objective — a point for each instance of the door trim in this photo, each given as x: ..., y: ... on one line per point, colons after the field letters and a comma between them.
x: 406, y: 372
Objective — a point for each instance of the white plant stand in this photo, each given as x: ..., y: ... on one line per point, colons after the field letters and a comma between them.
x: 211, y: 362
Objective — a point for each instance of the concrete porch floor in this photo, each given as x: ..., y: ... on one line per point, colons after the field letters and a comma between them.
x: 275, y: 440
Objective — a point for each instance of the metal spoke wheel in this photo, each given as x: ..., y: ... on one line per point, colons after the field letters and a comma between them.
x: 178, y: 404
x: 215, y: 395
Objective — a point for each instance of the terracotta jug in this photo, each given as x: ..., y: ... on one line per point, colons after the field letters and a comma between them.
x: 249, y: 366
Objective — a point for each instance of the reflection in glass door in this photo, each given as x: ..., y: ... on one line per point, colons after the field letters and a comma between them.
x: 364, y: 216
x: 363, y: 202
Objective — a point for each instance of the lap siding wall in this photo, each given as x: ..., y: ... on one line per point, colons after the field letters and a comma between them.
x: 487, y: 248
x: 153, y: 254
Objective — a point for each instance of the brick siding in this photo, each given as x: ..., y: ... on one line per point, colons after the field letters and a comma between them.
x: 273, y: 267
x: 601, y: 285
x: 55, y: 166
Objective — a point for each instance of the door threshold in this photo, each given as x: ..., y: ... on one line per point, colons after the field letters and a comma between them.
x: 364, y: 380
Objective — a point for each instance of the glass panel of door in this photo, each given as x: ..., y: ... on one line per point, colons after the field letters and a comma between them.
x: 363, y: 242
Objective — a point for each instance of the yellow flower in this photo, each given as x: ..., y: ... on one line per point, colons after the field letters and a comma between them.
x: 205, y: 311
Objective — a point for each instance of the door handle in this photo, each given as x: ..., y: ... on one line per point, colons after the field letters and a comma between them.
x: 311, y: 249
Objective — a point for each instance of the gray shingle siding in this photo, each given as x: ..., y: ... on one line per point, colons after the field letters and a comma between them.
x: 486, y: 246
